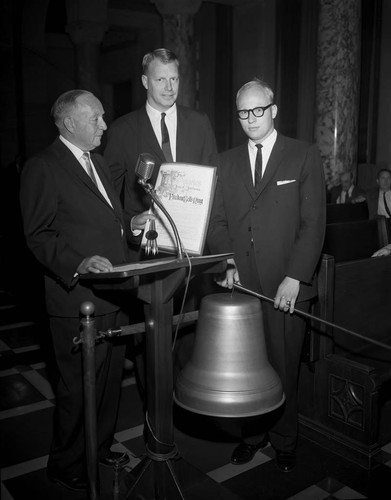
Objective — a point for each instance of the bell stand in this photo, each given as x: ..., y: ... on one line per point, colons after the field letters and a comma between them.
x: 162, y: 474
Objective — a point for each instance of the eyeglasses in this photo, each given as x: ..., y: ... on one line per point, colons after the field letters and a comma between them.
x: 258, y: 112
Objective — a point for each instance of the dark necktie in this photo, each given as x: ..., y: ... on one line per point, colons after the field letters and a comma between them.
x: 90, y: 172
x: 258, y: 166
x: 385, y: 204
x: 166, y: 140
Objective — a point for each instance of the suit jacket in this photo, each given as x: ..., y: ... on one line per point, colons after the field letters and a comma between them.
x: 336, y: 191
x: 284, y: 221
x: 66, y: 219
x: 372, y: 196
x: 132, y: 134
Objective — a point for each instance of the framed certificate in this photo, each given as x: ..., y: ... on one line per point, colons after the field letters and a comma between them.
x: 186, y: 191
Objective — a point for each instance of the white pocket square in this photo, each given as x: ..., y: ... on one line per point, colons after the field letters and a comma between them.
x: 281, y: 183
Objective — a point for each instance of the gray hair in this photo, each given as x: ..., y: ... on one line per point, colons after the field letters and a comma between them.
x: 65, y: 103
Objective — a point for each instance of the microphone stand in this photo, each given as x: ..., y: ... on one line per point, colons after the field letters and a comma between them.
x: 152, y: 193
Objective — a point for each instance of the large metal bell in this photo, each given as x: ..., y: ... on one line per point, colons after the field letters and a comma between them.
x: 229, y: 374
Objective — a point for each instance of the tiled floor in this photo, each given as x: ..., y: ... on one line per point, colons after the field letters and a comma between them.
x: 26, y: 408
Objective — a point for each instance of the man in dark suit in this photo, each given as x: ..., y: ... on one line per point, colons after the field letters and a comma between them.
x: 185, y: 136
x: 379, y: 199
x: 74, y: 224
x: 346, y: 192
x: 181, y: 135
x: 269, y: 210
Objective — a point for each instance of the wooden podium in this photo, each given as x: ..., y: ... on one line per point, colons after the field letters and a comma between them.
x: 162, y: 474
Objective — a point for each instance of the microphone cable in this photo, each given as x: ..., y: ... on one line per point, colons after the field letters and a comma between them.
x: 181, y: 314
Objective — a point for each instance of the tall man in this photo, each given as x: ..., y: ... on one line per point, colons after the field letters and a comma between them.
x: 74, y: 224
x: 269, y: 210
x: 167, y: 131
x: 182, y: 134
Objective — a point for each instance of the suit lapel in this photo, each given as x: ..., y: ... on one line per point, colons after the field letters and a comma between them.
x: 182, y: 137
x: 107, y: 185
x: 67, y: 160
x: 244, y: 169
x: 275, y: 159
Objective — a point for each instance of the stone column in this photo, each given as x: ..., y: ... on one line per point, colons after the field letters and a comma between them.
x: 178, y: 36
x: 338, y: 86
x: 87, y: 25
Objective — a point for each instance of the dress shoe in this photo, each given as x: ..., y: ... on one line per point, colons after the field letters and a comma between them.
x: 72, y: 483
x: 285, y: 461
x: 245, y: 452
x: 115, y: 458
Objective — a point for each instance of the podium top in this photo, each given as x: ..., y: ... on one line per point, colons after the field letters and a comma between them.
x: 156, y: 265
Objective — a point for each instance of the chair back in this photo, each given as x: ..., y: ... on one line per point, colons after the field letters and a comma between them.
x: 354, y: 240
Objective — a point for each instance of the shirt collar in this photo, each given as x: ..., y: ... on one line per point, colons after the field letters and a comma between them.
x: 267, y: 143
x: 154, y: 112
x: 75, y: 150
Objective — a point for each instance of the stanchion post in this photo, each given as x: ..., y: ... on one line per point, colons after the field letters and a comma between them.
x: 88, y: 337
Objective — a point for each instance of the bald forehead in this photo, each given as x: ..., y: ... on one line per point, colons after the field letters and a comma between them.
x: 88, y: 100
x: 88, y: 106
x: 254, y: 93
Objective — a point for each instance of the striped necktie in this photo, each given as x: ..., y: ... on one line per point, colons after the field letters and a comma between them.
x: 166, y: 140
x: 90, y: 172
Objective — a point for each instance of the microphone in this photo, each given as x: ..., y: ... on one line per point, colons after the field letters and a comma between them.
x: 144, y: 167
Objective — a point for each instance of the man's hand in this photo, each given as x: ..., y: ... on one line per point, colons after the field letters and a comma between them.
x: 383, y: 252
x: 359, y: 199
x: 286, y: 295
x: 139, y: 221
x: 95, y: 264
x: 229, y: 277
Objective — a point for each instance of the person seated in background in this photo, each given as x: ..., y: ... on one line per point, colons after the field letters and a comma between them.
x: 383, y: 252
x: 346, y: 192
x: 379, y: 198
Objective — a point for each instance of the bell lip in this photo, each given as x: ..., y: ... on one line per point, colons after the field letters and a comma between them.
x: 229, y: 415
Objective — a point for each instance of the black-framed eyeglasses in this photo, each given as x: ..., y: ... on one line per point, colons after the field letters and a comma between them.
x: 258, y: 112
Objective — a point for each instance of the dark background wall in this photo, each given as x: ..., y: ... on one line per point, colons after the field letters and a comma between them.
x: 233, y: 41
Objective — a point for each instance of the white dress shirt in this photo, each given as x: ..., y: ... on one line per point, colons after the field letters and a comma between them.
x: 267, y: 146
x: 342, y: 197
x: 171, y: 123
x: 381, y: 209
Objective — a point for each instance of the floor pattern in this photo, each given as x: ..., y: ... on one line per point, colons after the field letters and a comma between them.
x: 26, y: 409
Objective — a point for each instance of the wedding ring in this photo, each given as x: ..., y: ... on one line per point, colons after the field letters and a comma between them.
x: 288, y: 302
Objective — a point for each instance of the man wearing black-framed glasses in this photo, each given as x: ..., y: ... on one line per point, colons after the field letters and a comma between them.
x: 258, y: 112
x: 269, y: 210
